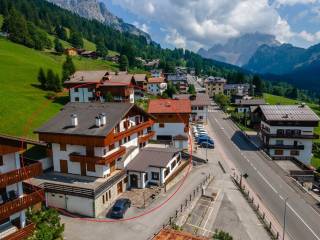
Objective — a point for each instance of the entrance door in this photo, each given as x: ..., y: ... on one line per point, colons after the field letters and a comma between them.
x: 112, y: 166
x: 134, y: 181
x: 83, y: 169
x: 64, y: 166
x: 119, y: 187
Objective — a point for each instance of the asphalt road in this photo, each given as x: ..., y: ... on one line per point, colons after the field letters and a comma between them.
x: 302, y: 221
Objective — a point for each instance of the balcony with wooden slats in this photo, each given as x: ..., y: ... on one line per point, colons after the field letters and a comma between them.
x: 22, y: 233
x: 290, y: 135
x: 21, y: 203
x: 146, y: 137
x: 98, y: 160
x: 133, y: 130
x: 21, y: 174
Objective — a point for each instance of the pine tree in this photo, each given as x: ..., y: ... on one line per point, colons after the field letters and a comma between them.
x: 61, y: 32
x: 191, y: 89
x: 58, y: 46
x: 68, y: 68
x: 57, y: 84
x: 76, y: 40
x: 101, y: 49
x: 50, y: 80
x: 42, y: 78
x: 258, y: 84
x: 123, y: 63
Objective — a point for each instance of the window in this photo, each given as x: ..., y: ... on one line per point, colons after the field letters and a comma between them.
x: 105, y: 151
x: 161, y: 125
x: 76, y: 89
x: 125, y: 140
x: 294, y: 153
x: 129, y: 138
x: 1, y: 160
x: 76, y: 99
x: 200, y: 108
x: 109, y: 194
x: 146, y: 177
x: 63, y: 147
x: 103, y: 201
x: 278, y: 152
x: 173, y: 164
x: 155, y: 175
x: 91, y: 167
x: 279, y: 142
x: 89, y: 90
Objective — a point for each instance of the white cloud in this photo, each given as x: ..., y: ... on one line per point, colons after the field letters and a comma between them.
x: 144, y: 27
x: 194, y: 23
x: 309, y: 37
x: 293, y: 2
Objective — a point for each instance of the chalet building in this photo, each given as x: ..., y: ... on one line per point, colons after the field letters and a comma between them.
x: 214, y: 85
x: 92, y: 143
x: 199, y: 105
x: 180, y: 80
x: 15, y: 196
x: 156, y: 86
x: 153, y: 166
x: 172, y: 124
x: 287, y: 131
x: 71, y: 52
x: 141, y: 85
x: 89, y: 86
x: 247, y: 105
x: 237, y: 89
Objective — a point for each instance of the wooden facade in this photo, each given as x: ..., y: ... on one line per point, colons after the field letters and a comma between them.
x: 22, y: 233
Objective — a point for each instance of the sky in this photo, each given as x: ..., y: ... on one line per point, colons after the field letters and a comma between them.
x: 193, y: 24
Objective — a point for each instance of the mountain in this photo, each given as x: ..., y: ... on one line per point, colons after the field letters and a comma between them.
x: 238, y: 51
x: 283, y: 59
x: 94, y: 9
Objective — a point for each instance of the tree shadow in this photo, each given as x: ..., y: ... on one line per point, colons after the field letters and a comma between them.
x: 62, y: 100
x: 38, y: 86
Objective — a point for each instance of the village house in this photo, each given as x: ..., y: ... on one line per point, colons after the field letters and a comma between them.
x: 287, y: 131
x: 214, y: 85
x: 199, y: 105
x: 91, y: 145
x: 15, y: 195
x: 89, y: 86
x: 156, y: 73
x: 248, y: 105
x: 153, y: 166
x: 179, y: 80
x: 237, y: 89
x: 172, y: 121
x: 71, y: 52
x: 156, y: 86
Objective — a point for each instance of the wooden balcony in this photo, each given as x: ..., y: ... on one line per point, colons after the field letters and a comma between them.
x: 132, y: 130
x: 146, y: 137
x: 22, y: 233
x: 98, y: 160
x: 289, y: 135
x: 19, y: 204
x: 21, y: 174
x: 281, y: 146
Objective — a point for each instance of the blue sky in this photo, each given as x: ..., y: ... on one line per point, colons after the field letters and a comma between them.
x: 201, y: 23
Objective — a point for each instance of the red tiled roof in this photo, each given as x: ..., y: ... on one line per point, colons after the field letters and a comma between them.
x: 156, y: 80
x: 169, y: 106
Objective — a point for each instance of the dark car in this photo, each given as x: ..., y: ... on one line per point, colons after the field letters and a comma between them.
x: 207, y: 145
x: 119, y: 208
x: 205, y: 139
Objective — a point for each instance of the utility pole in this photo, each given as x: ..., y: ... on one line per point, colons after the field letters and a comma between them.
x: 284, y: 218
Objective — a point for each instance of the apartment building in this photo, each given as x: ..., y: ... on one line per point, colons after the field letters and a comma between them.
x: 156, y: 86
x: 214, y: 85
x: 287, y: 131
x: 15, y: 195
x: 92, y: 143
x: 199, y: 105
x: 89, y: 86
x: 172, y: 121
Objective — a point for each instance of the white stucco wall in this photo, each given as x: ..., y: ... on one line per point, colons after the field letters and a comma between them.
x: 170, y: 129
x: 83, y: 94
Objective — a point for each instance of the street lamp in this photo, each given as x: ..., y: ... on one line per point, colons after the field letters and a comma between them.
x: 284, y: 217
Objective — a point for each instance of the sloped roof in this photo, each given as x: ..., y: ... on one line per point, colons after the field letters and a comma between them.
x: 86, y: 77
x: 250, y: 102
x: 201, y: 99
x: 288, y: 113
x: 86, y: 113
x: 169, y: 106
x: 152, y: 156
x: 156, y: 80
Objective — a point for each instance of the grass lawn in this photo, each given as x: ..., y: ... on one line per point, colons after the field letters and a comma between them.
x: 315, y: 162
x: 90, y: 46
x: 23, y: 106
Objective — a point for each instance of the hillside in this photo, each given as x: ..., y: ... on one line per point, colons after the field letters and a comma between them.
x: 23, y: 106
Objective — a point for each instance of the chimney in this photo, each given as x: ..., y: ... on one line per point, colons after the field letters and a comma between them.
x: 103, y: 118
x: 98, y: 121
x: 74, y: 120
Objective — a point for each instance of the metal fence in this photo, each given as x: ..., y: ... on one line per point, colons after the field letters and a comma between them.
x: 194, y: 194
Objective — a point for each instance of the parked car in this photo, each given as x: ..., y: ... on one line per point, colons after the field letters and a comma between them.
x: 205, y: 144
x: 198, y: 135
x: 120, y: 207
x: 204, y: 139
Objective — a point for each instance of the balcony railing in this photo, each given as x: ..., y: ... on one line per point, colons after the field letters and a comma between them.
x: 280, y: 146
x: 22, y: 233
x: 21, y: 203
x: 132, y: 130
x: 146, y: 137
x: 74, y: 157
x: 290, y: 135
x: 21, y: 174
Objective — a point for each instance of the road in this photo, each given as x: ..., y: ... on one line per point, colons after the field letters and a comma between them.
x: 302, y: 221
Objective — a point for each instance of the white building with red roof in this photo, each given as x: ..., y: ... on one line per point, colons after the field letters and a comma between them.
x: 156, y: 86
x: 172, y: 124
